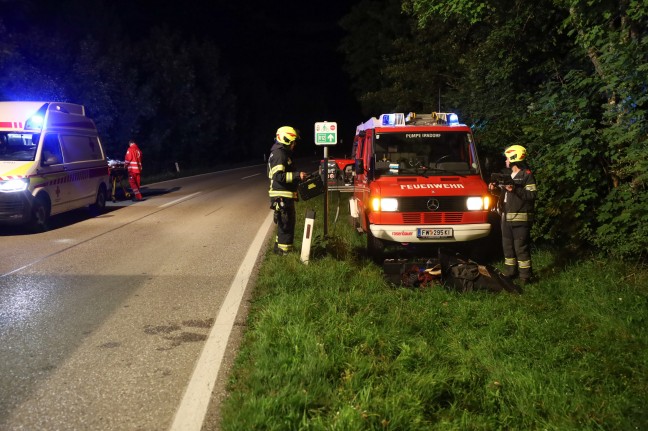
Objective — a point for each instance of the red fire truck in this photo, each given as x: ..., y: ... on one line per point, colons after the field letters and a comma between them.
x: 418, y: 181
x: 339, y: 174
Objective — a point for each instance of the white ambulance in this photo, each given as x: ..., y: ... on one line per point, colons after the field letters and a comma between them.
x: 51, y: 161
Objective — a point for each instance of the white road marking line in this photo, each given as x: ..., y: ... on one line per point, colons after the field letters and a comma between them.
x: 249, y: 176
x: 179, y: 200
x: 193, y: 407
x: 210, y: 173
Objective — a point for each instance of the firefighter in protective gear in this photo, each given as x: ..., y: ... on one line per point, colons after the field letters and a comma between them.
x: 516, y: 206
x: 133, y: 161
x: 283, y: 187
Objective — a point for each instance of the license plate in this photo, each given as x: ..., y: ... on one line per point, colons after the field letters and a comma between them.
x: 434, y: 233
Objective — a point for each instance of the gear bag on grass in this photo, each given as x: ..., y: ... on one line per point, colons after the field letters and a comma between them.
x: 464, y: 275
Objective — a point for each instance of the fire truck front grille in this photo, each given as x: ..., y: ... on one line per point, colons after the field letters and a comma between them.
x: 428, y: 204
x: 432, y: 209
x: 432, y: 218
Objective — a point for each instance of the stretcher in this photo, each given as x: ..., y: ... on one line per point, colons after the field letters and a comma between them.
x: 118, y: 174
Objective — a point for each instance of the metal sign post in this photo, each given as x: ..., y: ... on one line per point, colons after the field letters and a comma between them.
x: 325, y: 172
x: 325, y: 135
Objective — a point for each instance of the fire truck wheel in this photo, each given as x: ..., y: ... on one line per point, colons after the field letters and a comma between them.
x: 39, y: 215
x: 375, y: 247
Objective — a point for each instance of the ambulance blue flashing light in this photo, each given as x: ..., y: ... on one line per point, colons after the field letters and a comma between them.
x: 34, y: 122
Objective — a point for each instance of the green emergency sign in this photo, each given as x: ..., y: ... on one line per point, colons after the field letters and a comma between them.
x: 326, y: 133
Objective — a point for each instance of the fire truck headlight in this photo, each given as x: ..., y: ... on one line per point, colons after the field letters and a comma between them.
x: 384, y: 204
x: 16, y: 185
x: 476, y: 203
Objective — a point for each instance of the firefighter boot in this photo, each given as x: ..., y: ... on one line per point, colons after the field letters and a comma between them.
x: 510, y: 267
x: 279, y: 251
x: 526, y: 280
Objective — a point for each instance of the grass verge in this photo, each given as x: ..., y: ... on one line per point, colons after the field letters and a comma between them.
x: 332, y: 346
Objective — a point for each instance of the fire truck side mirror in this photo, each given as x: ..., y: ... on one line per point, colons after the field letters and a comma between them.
x: 359, y: 167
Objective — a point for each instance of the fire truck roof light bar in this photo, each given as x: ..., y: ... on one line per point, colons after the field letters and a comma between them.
x: 442, y: 118
x: 397, y: 119
x: 400, y: 119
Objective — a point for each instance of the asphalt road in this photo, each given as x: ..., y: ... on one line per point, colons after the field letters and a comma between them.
x: 103, y: 320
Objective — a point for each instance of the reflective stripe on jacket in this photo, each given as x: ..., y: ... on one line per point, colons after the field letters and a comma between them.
x: 518, y: 205
x: 283, y: 181
x: 133, y: 159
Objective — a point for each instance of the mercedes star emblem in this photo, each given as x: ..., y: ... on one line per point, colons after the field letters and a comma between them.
x: 432, y: 204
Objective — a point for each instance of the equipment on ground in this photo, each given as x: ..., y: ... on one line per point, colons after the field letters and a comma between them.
x: 449, y: 270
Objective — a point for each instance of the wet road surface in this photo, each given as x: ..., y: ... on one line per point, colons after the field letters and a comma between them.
x: 102, y: 319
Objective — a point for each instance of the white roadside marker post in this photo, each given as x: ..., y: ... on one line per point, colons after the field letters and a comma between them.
x: 308, y: 236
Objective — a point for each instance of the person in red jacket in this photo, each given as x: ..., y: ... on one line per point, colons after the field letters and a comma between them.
x: 133, y: 160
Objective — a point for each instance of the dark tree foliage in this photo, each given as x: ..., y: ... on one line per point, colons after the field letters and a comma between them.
x: 191, y: 107
x: 173, y: 96
x: 604, y: 128
x: 372, y: 29
x: 566, y: 79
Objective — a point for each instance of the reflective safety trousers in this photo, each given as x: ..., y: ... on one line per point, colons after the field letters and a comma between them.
x: 516, y: 241
x: 285, y: 220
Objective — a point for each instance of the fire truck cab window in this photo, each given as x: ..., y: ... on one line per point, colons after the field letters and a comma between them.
x: 424, y: 153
